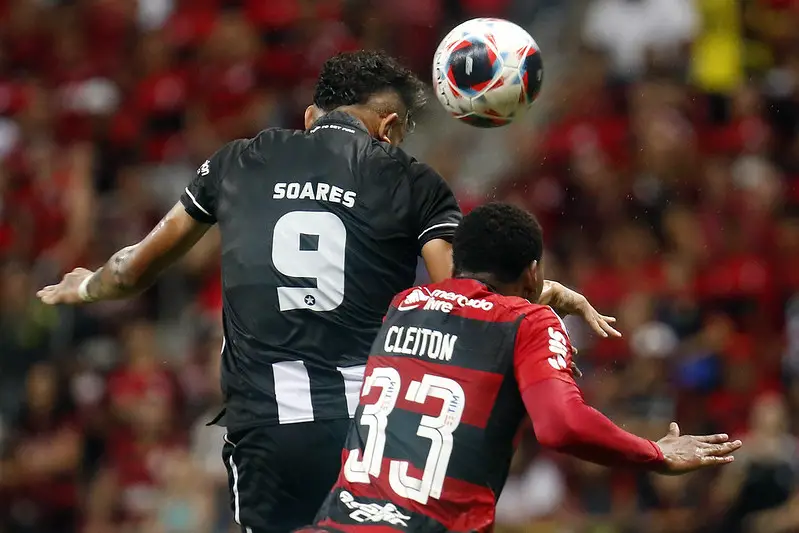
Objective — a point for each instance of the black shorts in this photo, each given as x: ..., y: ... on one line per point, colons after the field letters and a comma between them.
x: 280, y: 475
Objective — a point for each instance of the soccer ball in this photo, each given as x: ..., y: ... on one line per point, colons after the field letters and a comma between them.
x: 486, y: 71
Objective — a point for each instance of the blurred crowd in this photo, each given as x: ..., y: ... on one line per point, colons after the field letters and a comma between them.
x: 666, y: 176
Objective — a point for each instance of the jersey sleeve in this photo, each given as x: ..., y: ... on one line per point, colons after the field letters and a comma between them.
x: 543, y: 349
x: 200, y: 197
x: 437, y: 211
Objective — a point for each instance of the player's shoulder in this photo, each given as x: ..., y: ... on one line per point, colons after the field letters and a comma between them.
x: 270, y: 136
x: 388, y: 155
x: 473, y: 299
x: 413, y: 295
x: 227, y: 152
x: 516, y: 308
x: 532, y: 318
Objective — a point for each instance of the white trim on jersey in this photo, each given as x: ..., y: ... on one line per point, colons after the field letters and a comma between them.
x: 196, y: 203
x: 292, y: 392
x: 236, y: 500
x: 353, y: 380
x: 436, y: 226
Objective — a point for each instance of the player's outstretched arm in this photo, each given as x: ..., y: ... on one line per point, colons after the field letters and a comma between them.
x: 132, y: 269
x: 568, y: 302
x: 564, y: 422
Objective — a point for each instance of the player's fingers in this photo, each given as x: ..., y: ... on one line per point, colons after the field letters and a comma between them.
x: 674, y: 430
x: 711, y: 460
x: 608, y: 328
x: 713, y: 439
x: 49, y: 298
x: 610, y: 319
x: 596, y: 325
x: 719, y: 450
x: 732, y: 446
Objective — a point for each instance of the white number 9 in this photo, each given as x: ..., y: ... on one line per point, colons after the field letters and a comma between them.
x: 326, y: 239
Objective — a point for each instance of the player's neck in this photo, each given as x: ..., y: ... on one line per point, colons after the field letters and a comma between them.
x: 362, y: 115
x: 491, y: 282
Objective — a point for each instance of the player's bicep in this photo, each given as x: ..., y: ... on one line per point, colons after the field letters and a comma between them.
x: 437, y: 255
x: 543, y: 350
x: 436, y: 209
x: 168, y: 241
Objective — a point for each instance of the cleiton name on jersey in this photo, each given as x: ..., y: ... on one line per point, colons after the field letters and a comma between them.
x: 321, y: 192
x: 421, y: 342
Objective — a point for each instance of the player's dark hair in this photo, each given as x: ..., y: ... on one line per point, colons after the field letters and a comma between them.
x: 498, y: 239
x: 351, y: 78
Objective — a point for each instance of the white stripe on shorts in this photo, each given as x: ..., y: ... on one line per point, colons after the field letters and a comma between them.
x: 236, y: 501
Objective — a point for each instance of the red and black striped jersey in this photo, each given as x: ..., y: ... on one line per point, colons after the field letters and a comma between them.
x: 440, y: 409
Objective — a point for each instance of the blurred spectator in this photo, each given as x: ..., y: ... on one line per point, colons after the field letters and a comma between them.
x: 206, y: 440
x: 636, y: 33
x: 41, y: 467
x: 754, y: 492
x: 535, y: 490
x: 128, y: 491
x: 142, y: 376
x: 26, y: 331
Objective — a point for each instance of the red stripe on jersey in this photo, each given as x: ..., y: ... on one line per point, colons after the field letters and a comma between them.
x: 463, y: 506
x: 479, y: 388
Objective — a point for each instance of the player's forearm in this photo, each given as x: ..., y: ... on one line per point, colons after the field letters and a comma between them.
x: 564, y: 422
x: 133, y: 269
x: 559, y: 297
x: 116, y: 279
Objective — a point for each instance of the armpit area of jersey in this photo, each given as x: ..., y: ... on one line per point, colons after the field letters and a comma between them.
x: 349, y: 513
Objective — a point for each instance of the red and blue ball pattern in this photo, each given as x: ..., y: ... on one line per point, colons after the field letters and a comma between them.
x: 472, y: 66
x: 486, y: 71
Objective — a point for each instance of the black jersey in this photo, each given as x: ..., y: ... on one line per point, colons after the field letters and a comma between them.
x: 319, y: 230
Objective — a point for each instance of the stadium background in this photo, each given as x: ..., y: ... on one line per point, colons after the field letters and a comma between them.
x: 662, y: 158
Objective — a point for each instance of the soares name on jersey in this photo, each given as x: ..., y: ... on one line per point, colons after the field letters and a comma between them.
x: 321, y: 192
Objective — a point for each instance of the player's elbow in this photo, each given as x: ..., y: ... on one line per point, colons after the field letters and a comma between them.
x: 556, y: 411
x: 556, y: 431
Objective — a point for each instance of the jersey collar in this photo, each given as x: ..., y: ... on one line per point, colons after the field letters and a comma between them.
x: 478, y: 281
x: 341, y: 118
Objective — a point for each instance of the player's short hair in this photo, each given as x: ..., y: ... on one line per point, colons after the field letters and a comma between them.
x: 351, y: 78
x: 498, y: 239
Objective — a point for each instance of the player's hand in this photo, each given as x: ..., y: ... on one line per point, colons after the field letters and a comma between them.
x: 686, y: 453
x: 66, y: 292
x: 568, y: 302
x: 601, y: 324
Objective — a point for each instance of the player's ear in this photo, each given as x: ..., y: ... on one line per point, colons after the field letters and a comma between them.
x: 533, y: 281
x: 389, y: 130
x: 312, y: 114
